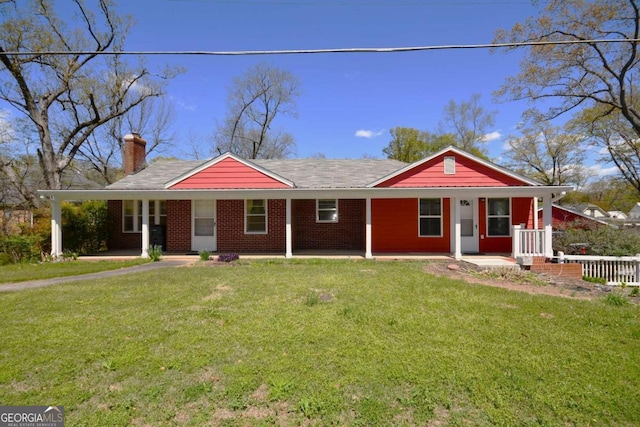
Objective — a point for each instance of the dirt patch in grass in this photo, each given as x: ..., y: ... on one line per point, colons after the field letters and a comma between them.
x: 517, y: 281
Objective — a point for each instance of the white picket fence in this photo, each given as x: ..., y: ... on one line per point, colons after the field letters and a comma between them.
x: 615, y: 270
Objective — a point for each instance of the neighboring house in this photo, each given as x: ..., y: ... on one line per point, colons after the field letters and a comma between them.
x: 634, y: 213
x: 565, y: 216
x: 589, y: 209
x: 15, y: 208
x: 450, y: 202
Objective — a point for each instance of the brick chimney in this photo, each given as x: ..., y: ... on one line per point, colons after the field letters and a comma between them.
x: 134, y: 154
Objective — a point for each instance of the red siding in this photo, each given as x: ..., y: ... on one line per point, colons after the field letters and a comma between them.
x: 468, y: 173
x: 229, y: 173
x: 521, y: 213
x: 346, y: 234
x: 394, y: 224
x: 562, y: 218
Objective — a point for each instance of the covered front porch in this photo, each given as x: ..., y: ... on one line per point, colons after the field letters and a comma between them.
x: 463, y: 219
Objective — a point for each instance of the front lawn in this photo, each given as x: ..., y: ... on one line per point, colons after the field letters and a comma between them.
x: 317, y: 343
x: 23, y: 272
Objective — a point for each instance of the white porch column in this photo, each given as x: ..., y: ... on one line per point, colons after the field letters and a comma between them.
x: 288, y: 235
x: 145, y: 228
x: 368, y: 252
x: 56, y: 228
x: 547, y: 224
x: 536, y: 223
x: 457, y: 230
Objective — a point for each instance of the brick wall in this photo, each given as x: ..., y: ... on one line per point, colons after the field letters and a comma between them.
x: 231, y: 235
x: 542, y: 266
x: 117, y: 239
x: 346, y: 234
x: 134, y: 154
x: 178, y: 225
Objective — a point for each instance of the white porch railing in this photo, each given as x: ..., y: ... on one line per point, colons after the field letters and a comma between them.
x: 528, y: 242
x: 615, y: 270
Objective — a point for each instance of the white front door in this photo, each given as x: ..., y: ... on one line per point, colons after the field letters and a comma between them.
x: 469, y: 225
x: 203, y: 225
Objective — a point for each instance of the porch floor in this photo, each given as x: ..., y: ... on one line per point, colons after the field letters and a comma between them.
x: 486, y: 261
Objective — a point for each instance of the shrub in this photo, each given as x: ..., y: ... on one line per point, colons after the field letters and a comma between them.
x: 600, y: 240
x: 84, y: 226
x: 228, y: 257
x: 23, y: 247
x: 155, y: 253
x: 204, y: 255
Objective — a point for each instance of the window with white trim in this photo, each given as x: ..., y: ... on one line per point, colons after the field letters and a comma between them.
x: 449, y: 165
x: 132, y: 214
x: 327, y: 210
x: 255, y: 216
x: 430, y: 218
x: 499, y: 217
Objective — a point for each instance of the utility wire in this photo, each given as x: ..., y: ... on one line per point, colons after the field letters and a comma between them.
x: 316, y: 51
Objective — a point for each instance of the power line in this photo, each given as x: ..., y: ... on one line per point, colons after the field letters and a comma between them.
x: 317, y: 51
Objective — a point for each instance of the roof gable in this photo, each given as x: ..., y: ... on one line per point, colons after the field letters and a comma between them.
x: 228, y: 172
x: 462, y: 170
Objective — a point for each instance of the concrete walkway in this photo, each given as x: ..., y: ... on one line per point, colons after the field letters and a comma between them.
x: 32, y: 284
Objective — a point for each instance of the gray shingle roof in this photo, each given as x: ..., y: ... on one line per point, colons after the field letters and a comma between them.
x: 331, y: 173
x: 304, y: 173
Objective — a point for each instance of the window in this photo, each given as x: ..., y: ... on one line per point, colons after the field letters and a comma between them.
x: 430, y: 218
x: 132, y: 214
x: 157, y: 212
x: 327, y: 210
x: 449, y: 165
x: 498, y: 217
x: 256, y: 217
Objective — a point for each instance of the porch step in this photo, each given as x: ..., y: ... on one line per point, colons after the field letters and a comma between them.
x: 490, y: 262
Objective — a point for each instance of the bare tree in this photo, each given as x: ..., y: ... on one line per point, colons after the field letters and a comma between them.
x: 152, y: 119
x: 68, y: 96
x: 591, y: 76
x: 469, y: 121
x: 254, y: 101
x: 549, y: 154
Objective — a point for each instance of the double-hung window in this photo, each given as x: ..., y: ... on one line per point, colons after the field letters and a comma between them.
x: 132, y: 214
x: 498, y: 217
x: 327, y: 210
x: 430, y: 218
x: 255, y: 216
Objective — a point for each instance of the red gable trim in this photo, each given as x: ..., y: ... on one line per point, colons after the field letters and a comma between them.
x: 228, y: 172
x: 470, y: 171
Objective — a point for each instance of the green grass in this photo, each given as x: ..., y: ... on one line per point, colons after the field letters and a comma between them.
x: 357, y: 343
x: 22, y: 272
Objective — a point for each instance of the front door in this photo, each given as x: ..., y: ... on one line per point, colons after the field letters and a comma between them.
x: 469, y: 225
x: 203, y: 225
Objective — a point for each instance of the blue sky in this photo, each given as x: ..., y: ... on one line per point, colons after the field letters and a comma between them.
x: 342, y: 93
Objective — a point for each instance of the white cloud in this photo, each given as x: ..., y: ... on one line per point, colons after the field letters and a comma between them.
x: 598, y: 170
x: 492, y: 136
x: 364, y: 133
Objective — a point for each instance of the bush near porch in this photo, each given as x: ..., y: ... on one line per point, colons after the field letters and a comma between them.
x: 317, y: 343
x: 583, y: 239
